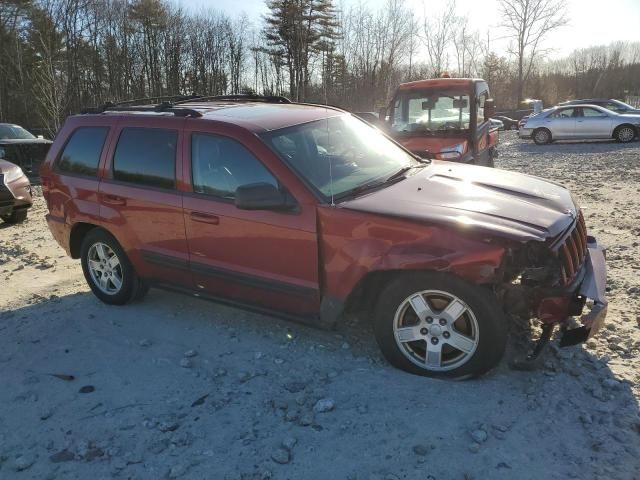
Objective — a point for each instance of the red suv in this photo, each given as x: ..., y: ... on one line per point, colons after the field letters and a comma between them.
x: 307, y: 212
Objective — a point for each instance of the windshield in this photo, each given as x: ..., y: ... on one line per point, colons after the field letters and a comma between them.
x: 339, y: 154
x: 14, y: 132
x: 430, y: 112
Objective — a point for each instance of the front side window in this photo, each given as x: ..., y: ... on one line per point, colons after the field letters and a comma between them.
x: 481, y: 99
x: 338, y: 154
x: 425, y: 112
x: 81, y: 155
x: 219, y: 165
x: 146, y: 156
x: 592, y: 112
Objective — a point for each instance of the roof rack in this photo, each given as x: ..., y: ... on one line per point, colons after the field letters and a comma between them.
x: 163, y: 107
x: 246, y: 97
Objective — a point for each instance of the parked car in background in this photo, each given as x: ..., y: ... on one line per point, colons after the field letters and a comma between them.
x: 610, y: 104
x: 509, y: 123
x: 308, y: 212
x: 19, y: 146
x: 15, y: 193
x: 496, y: 124
x: 580, y: 123
x: 444, y: 119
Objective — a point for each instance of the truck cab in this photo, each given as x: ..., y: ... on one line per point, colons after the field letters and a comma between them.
x: 444, y: 119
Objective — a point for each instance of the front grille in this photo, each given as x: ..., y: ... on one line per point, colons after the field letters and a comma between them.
x: 6, y: 197
x: 573, y: 251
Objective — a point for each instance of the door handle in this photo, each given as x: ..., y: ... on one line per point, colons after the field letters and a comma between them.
x: 205, y: 218
x: 113, y: 199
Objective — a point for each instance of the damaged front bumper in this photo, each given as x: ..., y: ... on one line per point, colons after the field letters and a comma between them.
x: 589, y: 293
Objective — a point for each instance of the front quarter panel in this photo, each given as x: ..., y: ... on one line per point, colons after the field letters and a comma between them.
x: 354, y: 244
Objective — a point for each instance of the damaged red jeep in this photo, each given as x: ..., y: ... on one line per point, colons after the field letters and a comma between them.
x: 307, y: 212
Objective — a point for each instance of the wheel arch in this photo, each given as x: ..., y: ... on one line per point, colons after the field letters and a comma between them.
x: 78, y: 233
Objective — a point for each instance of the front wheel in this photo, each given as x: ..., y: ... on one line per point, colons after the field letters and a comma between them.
x: 625, y: 134
x: 108, y: 270
x: 438, y: 325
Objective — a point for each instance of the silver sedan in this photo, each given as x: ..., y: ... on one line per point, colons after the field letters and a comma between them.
x: 580, y: 123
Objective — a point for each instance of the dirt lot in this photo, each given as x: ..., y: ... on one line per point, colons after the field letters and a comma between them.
x: 176, y: 387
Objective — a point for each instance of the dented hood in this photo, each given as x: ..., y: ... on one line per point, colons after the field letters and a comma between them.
x: 499, y: 202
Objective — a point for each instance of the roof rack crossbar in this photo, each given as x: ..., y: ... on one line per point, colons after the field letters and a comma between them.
x: 239, y: 97
x: 164, y: 107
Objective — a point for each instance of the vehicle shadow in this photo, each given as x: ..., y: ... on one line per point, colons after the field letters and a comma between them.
x: 256, y: 370
x: 595, y: 146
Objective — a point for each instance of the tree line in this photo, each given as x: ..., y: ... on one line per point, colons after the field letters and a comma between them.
x: 58, y: 56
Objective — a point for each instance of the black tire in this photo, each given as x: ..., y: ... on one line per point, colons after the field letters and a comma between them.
x: 481, y: 304
x: 625, y: 133
x: 17, y: 216
x: 132, y: 287
x: 541, y: 136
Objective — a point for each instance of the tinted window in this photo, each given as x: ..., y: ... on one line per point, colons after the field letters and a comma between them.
x: 82, y: 153
x: 219, y: 165
x: 146, y: 156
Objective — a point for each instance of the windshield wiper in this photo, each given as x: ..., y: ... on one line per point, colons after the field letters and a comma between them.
x: 399, y: 175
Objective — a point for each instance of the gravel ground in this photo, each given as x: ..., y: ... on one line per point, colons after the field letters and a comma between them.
x: 176, y: 387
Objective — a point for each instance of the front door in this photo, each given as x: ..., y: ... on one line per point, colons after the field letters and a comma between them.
x: 593, y: 124
x: 258, y: 257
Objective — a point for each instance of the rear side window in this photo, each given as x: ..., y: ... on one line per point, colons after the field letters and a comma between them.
x: 219, y: 165
x: 81, y: 155
x: 146, y: 156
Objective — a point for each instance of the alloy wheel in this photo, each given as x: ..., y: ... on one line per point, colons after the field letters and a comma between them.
x: 436, y: 330
x: 626, y: 134
x: 105, y: 268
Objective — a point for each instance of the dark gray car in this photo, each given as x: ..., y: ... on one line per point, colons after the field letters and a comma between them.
x: 19, y: 146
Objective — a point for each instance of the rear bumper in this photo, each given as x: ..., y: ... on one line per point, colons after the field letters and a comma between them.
x: 587, y: 299
x: 60, y: 231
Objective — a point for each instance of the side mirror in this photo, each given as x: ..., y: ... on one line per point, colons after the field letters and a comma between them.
x: 489, y: 108
x: 263, y: 196
x: 382, y: 114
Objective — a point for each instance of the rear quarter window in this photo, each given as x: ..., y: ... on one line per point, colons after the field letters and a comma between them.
x: 81, y: 155
x: 146, y: 156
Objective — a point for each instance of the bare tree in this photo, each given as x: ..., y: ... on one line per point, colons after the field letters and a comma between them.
x: 528, y: 23
x: 438, y: 34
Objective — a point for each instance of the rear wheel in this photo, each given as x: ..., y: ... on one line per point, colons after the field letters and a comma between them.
x: 542, y: 136
x: 108, y: 270
x: 17, y: 216
x: 438, y: 325
x: 625, y: 133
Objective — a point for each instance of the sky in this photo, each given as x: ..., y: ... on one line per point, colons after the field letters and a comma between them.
x: 592, y: 22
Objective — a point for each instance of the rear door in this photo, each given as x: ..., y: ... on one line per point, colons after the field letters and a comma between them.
x: 562, y: 122
x: 258, y: 257
x: 139, y: 200
x: 593, y: 123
